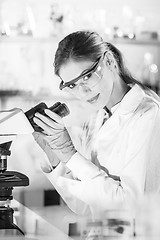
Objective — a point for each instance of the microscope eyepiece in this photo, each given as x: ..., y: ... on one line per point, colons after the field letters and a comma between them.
x: 4, y: 152
x: 59, y: 108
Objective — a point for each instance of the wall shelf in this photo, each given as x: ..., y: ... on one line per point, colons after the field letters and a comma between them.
x: 28, y: 39
x: 18, y: 39
x: 136, y: 41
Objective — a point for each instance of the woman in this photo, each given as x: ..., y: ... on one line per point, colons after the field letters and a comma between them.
x: 116, y: 156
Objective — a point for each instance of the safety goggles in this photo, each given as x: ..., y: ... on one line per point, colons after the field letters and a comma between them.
x: 89, y: 77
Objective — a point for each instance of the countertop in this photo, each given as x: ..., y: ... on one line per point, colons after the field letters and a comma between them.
x: 33, y: 225
x: 52, y: 222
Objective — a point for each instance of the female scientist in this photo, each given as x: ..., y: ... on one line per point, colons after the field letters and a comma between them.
x: 116, y: 156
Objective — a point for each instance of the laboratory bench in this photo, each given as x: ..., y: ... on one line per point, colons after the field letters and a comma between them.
x: 52, y: 223
x: 34, y: 225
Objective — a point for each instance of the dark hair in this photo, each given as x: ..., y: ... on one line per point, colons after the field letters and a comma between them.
x: 88, y: 45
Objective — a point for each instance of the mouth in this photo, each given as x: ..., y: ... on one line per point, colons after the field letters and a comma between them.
x: 94, y: 99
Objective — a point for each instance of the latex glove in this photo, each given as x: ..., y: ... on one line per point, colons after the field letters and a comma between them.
x: 55, y: 135
x: 52, y: 160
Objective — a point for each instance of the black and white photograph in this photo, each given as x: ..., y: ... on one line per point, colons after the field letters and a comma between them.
x: 79, y: 120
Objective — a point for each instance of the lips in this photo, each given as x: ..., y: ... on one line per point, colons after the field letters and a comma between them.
x: 94, y: 99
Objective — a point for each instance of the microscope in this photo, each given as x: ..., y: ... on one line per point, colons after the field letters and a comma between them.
x: 12, y: 123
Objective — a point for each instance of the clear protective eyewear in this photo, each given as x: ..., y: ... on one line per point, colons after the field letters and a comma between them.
x: 89, y: 78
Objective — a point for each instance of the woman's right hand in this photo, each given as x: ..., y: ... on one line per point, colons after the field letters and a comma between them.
x: 53, y: 159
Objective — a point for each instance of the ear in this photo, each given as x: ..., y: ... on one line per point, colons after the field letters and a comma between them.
x: 110, y: 61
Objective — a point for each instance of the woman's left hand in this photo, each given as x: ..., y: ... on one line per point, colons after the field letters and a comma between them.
x: 56, y: 135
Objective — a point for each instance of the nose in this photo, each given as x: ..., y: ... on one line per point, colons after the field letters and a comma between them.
x: 83, y: 89
x: 82, y: 92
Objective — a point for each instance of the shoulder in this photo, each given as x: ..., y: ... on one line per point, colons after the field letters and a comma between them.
x: 147, y: 115
x: 150, y: 103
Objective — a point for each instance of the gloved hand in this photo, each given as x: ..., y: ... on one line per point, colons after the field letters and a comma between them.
x: 55, y: 135
x: 52, y: 160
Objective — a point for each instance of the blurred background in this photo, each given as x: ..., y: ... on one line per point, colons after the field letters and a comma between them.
x: 29, y: 33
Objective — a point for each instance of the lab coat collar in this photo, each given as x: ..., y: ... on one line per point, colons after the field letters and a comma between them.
x: 130, y: 101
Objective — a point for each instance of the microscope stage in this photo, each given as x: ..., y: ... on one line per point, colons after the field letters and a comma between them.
x: 12, y: 179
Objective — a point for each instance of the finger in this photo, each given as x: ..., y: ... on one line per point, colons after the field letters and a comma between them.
x: 50, y: 122
x: 39, y: 138
x: 38, y: 134
x: 43, y: 139
x: 44, y: 126
x: 54, y: 116
x: 49, y: 130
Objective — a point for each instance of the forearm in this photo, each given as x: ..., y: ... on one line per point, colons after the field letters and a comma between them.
x: 95, y: 187
x: 76, y: 205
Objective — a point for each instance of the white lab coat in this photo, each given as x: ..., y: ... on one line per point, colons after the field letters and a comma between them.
x: 117, y: 160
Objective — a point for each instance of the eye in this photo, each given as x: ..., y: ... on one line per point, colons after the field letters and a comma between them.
x: 86, y: 77
x: 71, y: 86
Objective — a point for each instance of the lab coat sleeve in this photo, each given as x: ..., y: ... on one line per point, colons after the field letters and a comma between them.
x: 96, y: 188
x: 75, y: 204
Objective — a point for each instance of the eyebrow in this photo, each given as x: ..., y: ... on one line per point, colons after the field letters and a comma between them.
x: 83, y: 73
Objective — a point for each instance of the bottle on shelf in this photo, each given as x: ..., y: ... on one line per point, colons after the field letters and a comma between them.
x: 149, y: 73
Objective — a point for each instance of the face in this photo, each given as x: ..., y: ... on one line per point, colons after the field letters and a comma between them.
x: 94, y: 88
